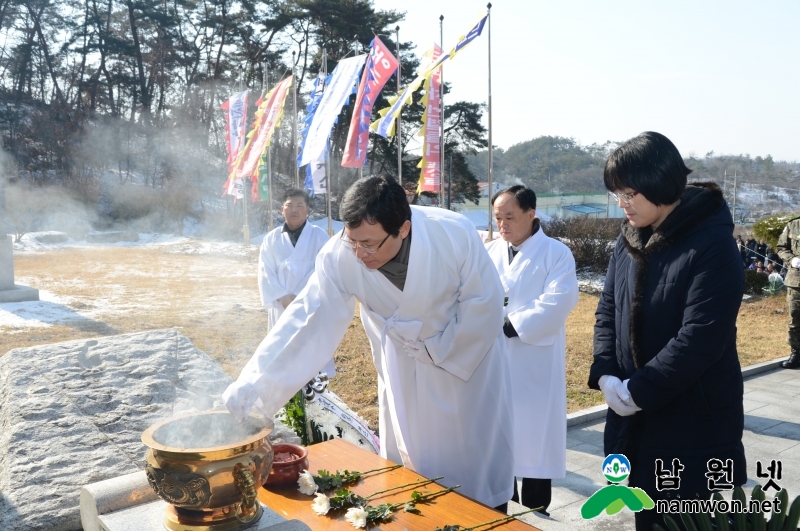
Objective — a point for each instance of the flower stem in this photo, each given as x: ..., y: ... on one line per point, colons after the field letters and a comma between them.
x: 425, y: 497
x: 384, y: 469
x: 504, y: 519
x: 423, y: 482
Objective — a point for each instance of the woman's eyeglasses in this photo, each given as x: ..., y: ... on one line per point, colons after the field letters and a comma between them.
x: 355, y: 246
x: 625, y: 198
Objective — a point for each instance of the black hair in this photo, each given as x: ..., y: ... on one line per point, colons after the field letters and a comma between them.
x: 377, y: 199
x: 296, y: 192
x: 526, y: 198
x: 649, y: 164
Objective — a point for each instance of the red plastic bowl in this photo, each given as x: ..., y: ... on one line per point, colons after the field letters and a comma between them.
x: 287, y: 472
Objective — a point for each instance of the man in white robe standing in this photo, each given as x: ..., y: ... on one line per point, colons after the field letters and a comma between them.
x: 541, y: 289
x: 287, y: 258
x: 431, y: 304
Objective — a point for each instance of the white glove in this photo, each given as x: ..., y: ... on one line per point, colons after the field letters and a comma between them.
x: 630, y: 401
x: 796, y: 262
x: 416, y: 349
x: 239, y: 398
x: 617, y: 396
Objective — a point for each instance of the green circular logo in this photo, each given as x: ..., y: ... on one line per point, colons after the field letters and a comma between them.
x: 616, y: 468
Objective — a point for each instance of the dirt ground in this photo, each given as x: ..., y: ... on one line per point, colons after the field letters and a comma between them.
x: 214, y: 301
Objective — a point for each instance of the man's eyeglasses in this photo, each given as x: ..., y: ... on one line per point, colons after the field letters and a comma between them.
x: 355, y: 246
x: 625, y: 198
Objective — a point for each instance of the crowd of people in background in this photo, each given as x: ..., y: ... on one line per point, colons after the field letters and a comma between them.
x: 759, y: 257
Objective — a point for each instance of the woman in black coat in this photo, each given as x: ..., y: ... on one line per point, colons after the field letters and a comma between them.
x: 665, y: 336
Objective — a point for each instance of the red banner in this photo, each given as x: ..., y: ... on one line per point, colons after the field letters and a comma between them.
x: 380, y: 65
x: 430, y: 176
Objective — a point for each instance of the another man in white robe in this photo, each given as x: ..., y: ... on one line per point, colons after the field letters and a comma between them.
x: 431, y: 304
x: 538, y: 275
x: 287, y: 258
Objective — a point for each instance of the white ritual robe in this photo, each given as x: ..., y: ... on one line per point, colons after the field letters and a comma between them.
x: 446, y: 413
x: 542, y: 289
x: 284, y: 269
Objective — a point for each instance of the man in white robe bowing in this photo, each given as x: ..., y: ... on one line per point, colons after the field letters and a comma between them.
x: 538, y: 275
x: 431, y: 304
x: 287, y: 258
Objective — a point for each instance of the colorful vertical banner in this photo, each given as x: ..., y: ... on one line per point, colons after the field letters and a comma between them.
x: 342, y: 85
x: 386, y: 124
x: 268, y: 118
x: 380, y: 66
x: 235, y: 109
x: 314, y: 98
x: 430, y: 176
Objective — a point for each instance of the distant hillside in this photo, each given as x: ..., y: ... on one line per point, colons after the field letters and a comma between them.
x: 552, y: 164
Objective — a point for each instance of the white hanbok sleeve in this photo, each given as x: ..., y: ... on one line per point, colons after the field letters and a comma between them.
x: 478, y: 321
x: 269, y: 285
x: 539, y: 321
x: 304, y: 339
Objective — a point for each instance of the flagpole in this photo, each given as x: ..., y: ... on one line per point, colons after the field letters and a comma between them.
x: 397, y: 125
x: 269, y: 165
x: 489, y: 188
x: 245, y: 191
x: 441, y: 116
x: 294, y: 125
x: 327, y: 157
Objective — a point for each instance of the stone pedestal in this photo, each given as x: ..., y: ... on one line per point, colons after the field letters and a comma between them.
x: 10, y: 292
x: 127, y: 503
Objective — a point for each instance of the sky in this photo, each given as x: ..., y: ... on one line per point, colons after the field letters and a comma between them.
x: 721, y: 76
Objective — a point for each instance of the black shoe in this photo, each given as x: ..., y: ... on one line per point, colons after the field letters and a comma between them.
x: 793, y: 362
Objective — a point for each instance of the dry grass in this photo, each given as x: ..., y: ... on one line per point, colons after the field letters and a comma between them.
x: 214, y: 301
x: 580, y: 330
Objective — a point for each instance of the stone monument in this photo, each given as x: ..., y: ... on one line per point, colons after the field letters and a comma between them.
x: 10, y: 292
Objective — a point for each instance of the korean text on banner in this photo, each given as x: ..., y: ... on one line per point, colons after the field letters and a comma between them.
x: 430, y: 176
x: 319, y: 181
x: 235, y: 109
x: 342, y: 83
x: 267, y: 121
x: 380, y: 66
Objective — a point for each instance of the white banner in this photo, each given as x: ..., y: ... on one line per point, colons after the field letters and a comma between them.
x: 237, y: 120
x: 343, y: 81
x: 318, y: 177
x: 365, y: 432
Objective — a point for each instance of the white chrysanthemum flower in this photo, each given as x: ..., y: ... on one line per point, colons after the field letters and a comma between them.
x: 330, y: 429
x: 357, y: 517
x: 352, y: 436
x: 306, y: 484
x: 321, y: 504
x: 313, y: 408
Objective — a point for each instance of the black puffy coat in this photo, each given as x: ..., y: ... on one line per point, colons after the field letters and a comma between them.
x: 666, y: 320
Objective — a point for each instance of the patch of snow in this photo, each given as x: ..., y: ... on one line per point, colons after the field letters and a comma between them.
x: 167, y: 242
x: 589, y: 282
x: 47, y: 311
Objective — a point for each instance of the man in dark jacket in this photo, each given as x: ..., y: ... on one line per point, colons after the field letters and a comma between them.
x: 665, y: 334
x: 751, y: 250
x: 789, y: 251
x: 761, y: 250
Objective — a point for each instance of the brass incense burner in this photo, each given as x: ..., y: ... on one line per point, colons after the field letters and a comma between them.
x: 209, y: 467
